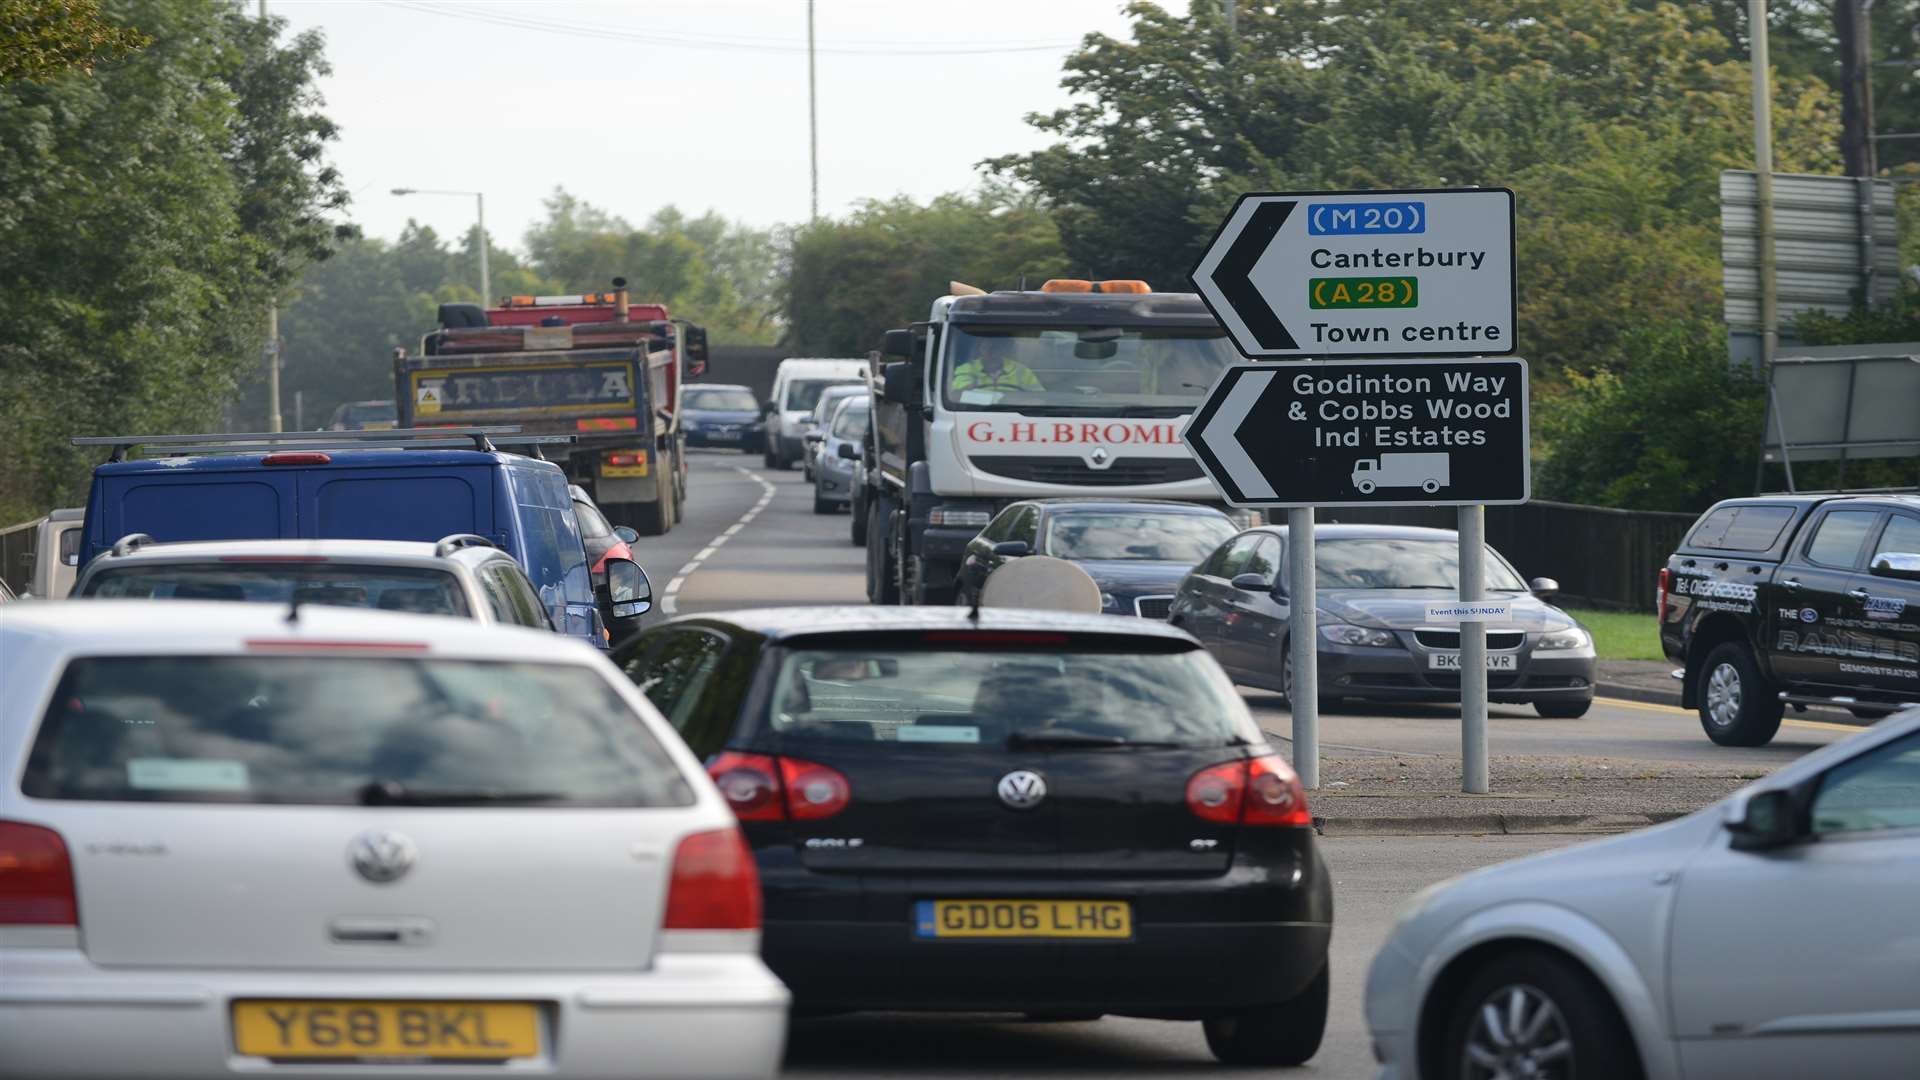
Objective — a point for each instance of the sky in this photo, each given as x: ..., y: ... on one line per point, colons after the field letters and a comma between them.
x: 635, y: 104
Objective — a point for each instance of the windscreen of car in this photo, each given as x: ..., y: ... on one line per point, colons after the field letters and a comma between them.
x: 805, y: 393
x: 1131, y: 371
x: 1092, y: 535
x: 372, y: 412
x: 342, y: 730
x: 722, y: 400
x: 593, y: 525
x: 830, y: 399
x: 389, y: 588
x: 1381, y: 562
x: 997, y: 696
x: 851, y: 422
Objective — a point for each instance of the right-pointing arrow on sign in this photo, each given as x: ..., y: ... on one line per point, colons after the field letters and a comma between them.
x: 1214, y: 436
x: 1233, y: 277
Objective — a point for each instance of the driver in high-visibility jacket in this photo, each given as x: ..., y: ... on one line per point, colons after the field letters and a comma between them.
x: 992, y: 367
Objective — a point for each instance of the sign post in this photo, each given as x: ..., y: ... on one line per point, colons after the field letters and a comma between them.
x: 1473, y: 652
x: 1303, y: 643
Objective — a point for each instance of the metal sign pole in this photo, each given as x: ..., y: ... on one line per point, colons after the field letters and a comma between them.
x: 1473, y: 652
x: 1302, y: 646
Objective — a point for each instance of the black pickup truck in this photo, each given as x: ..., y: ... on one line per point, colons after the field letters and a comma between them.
x: 1795, y: 600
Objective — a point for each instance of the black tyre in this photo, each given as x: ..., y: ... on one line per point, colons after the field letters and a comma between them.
x: 650, y: 519
x: 1563, y: 708
x: 1567, y: 1026
x: 923, y: 593
x: 823, y: 506
x: 767, y: 458
x: 857, y: 525
x: 1284, y: 1034
x: 1738, y: 707
x: 882, y: 586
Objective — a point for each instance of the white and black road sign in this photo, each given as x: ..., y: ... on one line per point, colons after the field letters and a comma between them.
x: 1365, y: 273
x: 1366, y: 433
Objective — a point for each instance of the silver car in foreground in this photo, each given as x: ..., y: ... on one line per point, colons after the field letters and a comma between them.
x: 243, y: 839
x: 1773, y: 934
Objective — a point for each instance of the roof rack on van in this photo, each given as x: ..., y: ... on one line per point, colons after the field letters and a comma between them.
x: 480, y: 438
x: 131, y: 543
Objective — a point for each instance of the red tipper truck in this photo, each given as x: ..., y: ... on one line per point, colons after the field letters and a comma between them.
x: 594, y: 366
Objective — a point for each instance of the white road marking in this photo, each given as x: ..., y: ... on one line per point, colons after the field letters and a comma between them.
x: 669, y: 599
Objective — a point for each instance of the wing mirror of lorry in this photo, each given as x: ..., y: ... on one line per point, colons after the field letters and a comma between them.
x: 625, y: 597
x: 1771, y: 819
x: 1012, y: 549
x: 1251, y: 583
x: 1543, y: 587
x: 847, y: 450
x: 696, y: 351
x: 897, y: 343
x: 626, y: 534
x: 1904, y: 565
x: 898, y: 384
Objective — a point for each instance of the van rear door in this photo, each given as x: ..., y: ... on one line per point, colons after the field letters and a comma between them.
x: 190, y: 504
x: 397, y: 502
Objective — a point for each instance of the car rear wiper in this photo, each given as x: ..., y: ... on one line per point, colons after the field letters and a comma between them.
x: 1021, y: 740
x: 394, y: 793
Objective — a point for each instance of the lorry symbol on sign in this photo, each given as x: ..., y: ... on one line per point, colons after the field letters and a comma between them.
x: 1428, y: 472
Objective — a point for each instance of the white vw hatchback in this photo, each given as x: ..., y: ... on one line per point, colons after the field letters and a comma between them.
x: 236, y: 838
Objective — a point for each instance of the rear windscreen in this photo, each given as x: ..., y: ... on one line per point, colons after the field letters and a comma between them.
x: 387, y: 588
x: 345, y: 730
x: 1742, y: 528
x: 998, y: 696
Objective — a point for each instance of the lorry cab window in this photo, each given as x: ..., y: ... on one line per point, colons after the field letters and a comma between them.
x: 1070, y: 371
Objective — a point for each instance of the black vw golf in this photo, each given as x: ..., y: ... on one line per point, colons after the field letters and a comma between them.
x: 1010, y: 811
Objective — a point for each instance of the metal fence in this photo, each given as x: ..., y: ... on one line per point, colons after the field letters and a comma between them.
x: 16, y: 553
x: 1601, y: 556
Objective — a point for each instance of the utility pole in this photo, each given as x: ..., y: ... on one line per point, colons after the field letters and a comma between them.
x: 486, y: 278
x: 273, y: 336
x: 1233, y: 17
x: 813, y: 121
x: 1853, y: 29
x: 1763, y: 181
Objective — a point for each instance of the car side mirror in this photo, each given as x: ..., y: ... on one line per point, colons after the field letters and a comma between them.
x: 1904, y: 565
x: 1013, y: 549
x: 628, y: 596
x: 626, y: 534
x: 1544, y: 587
x: 696, y: 344
x: 1251, y: 582
x: 1771, y: 820
x: 847, y: 450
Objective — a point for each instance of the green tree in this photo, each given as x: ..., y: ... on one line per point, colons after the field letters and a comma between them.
x: 40, y: 39
x: 1680, y: 431
x: 882, y: 265
x: 145, y: 222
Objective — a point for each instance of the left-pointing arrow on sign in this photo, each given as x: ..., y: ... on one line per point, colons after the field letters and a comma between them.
x: 1213, y: 435
x: 1233, y: 277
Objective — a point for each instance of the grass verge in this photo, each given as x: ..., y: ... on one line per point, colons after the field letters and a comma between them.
x: 1621, y: 635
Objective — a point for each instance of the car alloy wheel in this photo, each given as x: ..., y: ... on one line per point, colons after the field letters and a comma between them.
x: 1723, y: 695
x: 1519, y: 1034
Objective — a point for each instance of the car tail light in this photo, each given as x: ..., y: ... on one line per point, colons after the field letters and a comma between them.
x: 300, y: 457
x: 1258, y: 791
x: 36, y: 878
x: 813, y: 791
x: 1660, y: 604
x: 760, y: 787
x: 750, y: 783
x: 714, y: 884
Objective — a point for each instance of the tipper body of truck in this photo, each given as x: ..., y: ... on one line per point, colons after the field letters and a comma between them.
x: 1077, y: 388
x: 594, y: 366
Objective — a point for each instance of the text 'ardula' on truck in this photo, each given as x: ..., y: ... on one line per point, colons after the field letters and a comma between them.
x: 1079, y: 388
x: 594, y: 366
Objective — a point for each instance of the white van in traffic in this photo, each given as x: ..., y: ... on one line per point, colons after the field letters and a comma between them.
x: 796, y: 389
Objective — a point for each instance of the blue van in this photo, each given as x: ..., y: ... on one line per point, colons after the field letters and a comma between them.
x: 343, y: 492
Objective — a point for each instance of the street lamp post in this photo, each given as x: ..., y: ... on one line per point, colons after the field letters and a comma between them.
x: 480, y: 206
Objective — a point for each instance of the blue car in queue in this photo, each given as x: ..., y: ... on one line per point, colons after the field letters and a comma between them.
x: 1009, y: 811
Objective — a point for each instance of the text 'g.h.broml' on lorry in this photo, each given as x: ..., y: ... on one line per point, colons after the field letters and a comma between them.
x: 1077, y: 388
x: 594, y: 366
